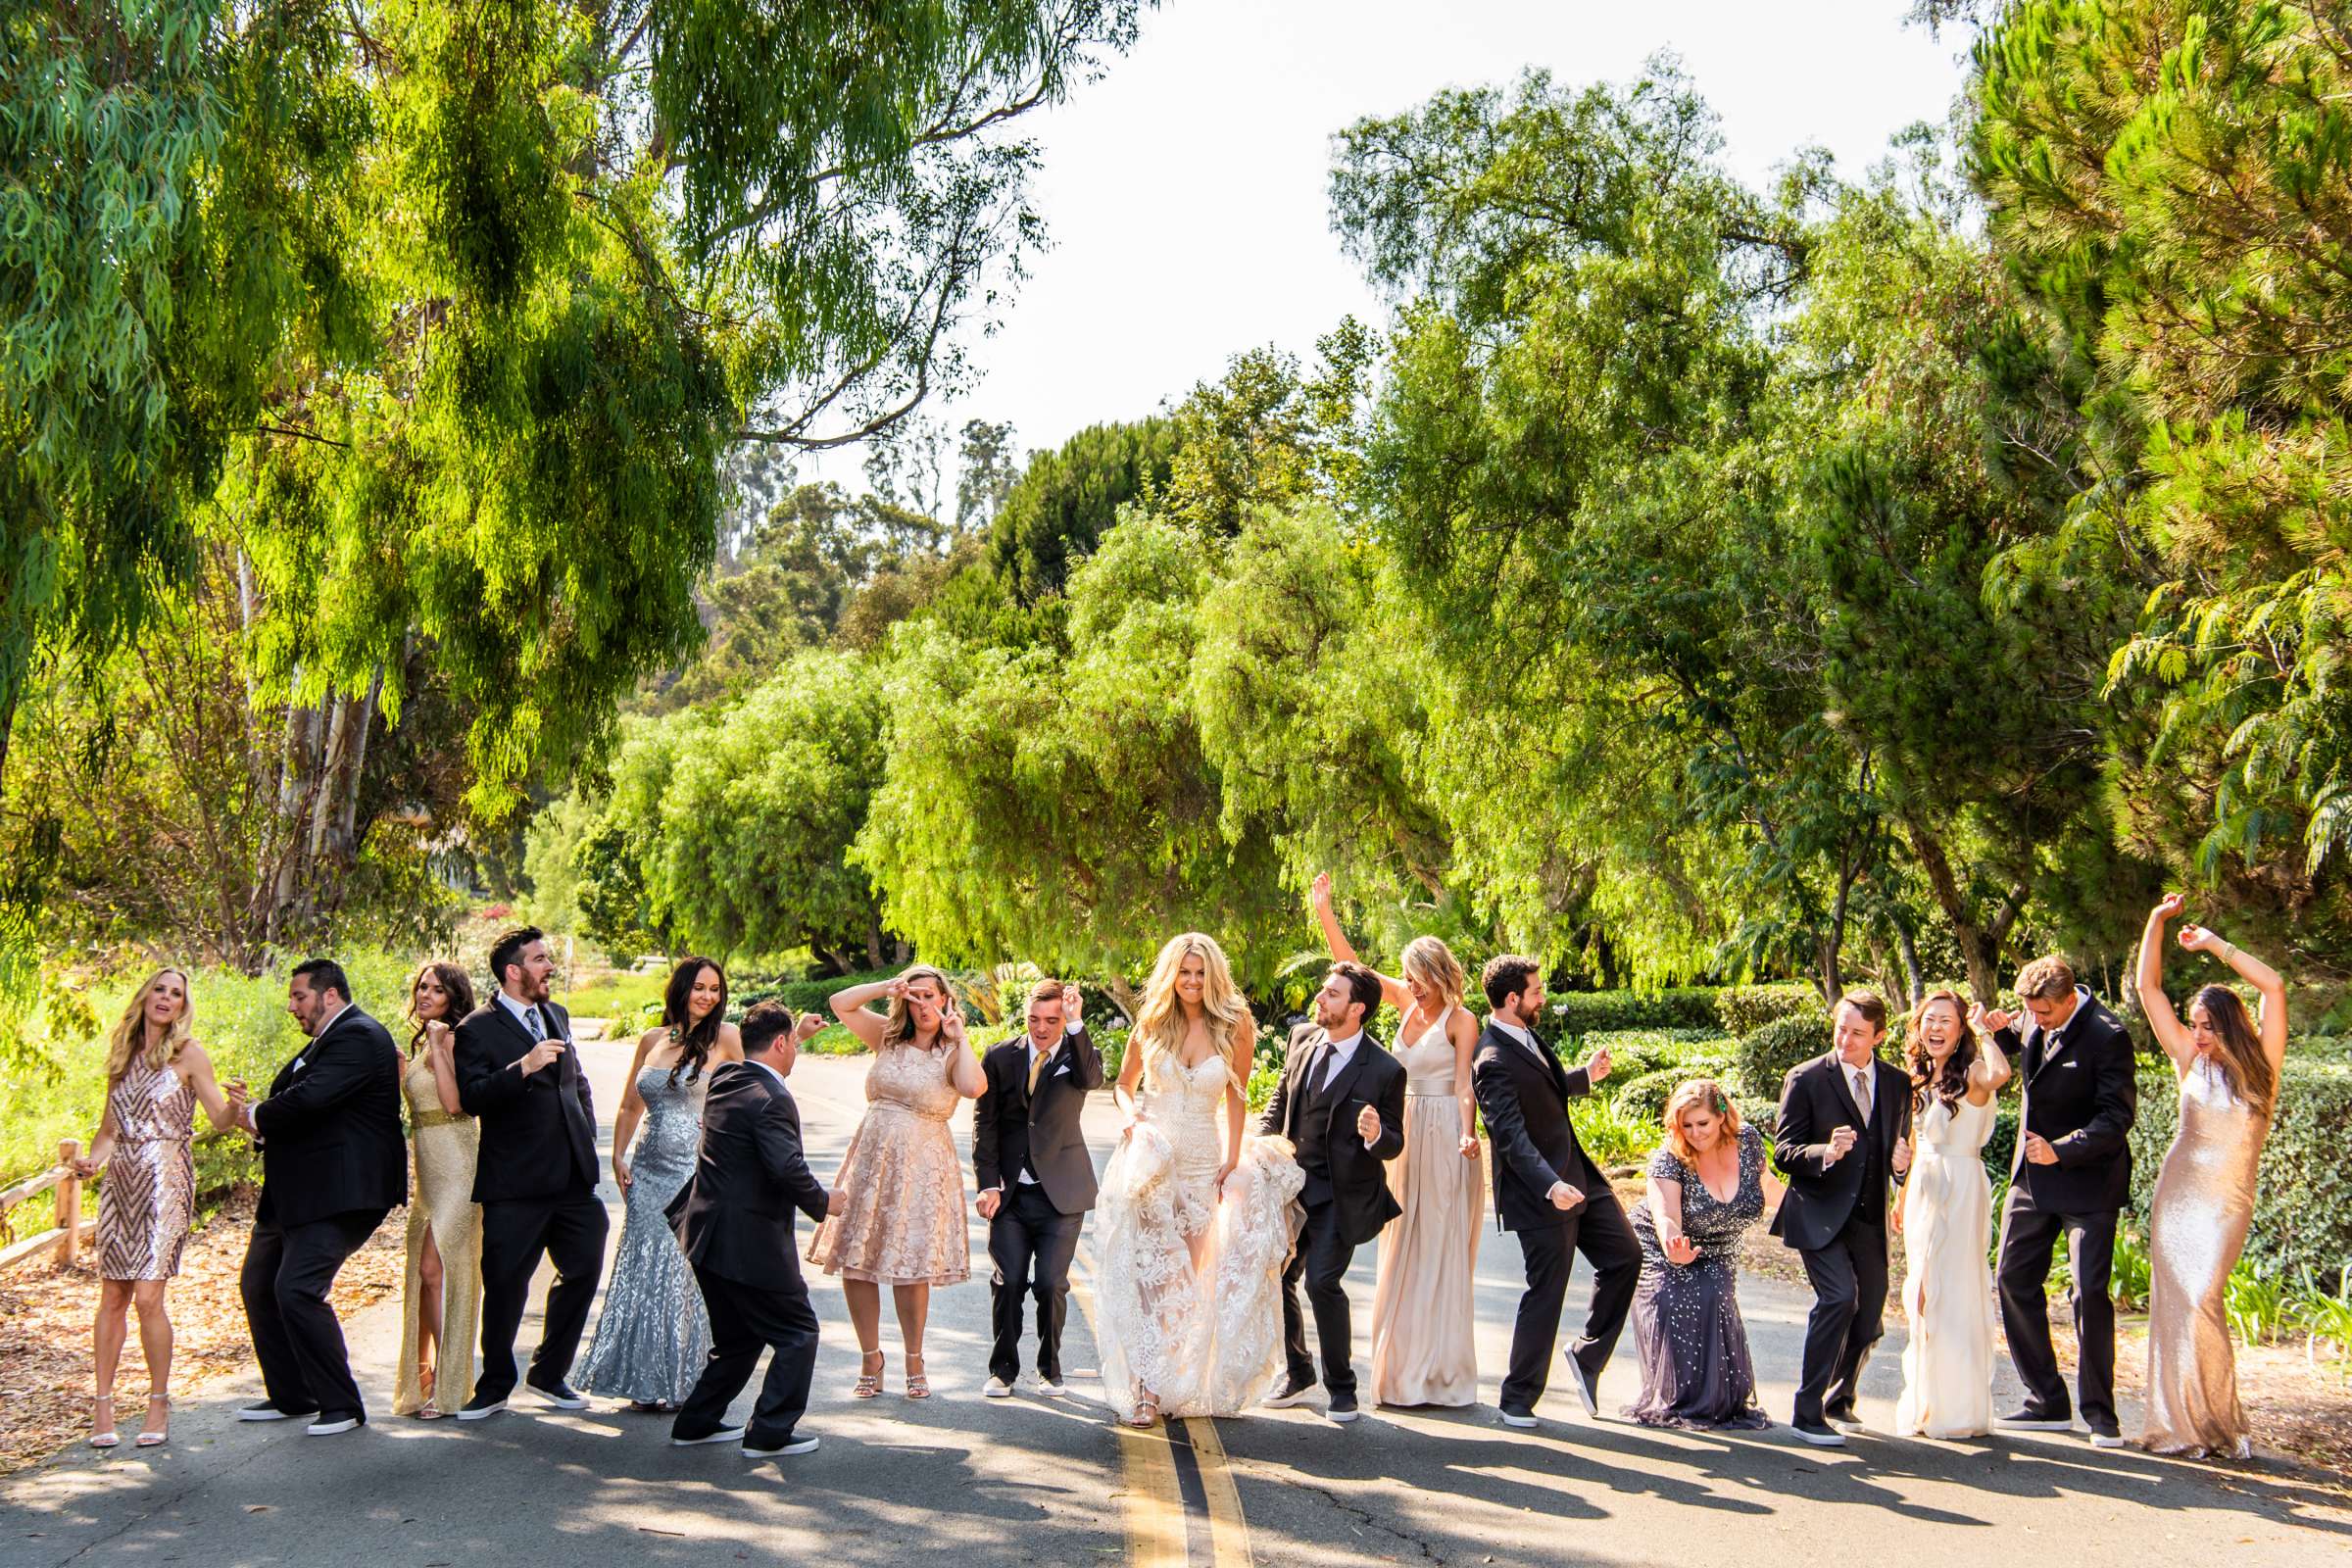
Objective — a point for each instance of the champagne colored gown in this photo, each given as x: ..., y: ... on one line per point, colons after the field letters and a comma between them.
x: 1424, y: 1308
x: 444, y: 1145
x: 902, y: 1220
x: 2197, y: 1226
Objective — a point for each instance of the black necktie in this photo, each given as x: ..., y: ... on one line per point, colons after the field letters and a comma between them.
x: 538, y: 1026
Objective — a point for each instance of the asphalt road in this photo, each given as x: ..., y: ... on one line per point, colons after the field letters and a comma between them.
x: 1030, y: 1480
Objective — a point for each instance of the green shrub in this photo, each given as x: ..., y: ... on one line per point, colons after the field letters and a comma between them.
x: 1585, y: 1013
x: 1634, y: 1051
x: 1743, y: 1010
x: 1643, y: 1098
x: 804, y: 995
x: 1612, y: 1139
x: 2303, y: 1193
x: 1766, y: 1055
x: 2000, y: 1144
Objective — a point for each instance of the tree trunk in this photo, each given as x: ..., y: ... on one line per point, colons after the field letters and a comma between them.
x: 1980, y: 947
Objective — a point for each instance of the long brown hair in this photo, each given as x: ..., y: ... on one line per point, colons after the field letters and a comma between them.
x: 131, y: 1038
x: 1951, y: 1084
x: 2241, y: 1061
x: 696, y: 1040
x: 454, y: 985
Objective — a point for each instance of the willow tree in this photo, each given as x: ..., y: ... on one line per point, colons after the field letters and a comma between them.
x: 442, y: 315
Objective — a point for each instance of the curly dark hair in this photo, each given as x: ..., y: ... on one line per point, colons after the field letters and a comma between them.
x: 1951, y: 1084
x: 454, y: 985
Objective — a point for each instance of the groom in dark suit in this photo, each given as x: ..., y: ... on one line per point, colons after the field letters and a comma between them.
x: 535, y: 1176
x: 1340, y: 1103
x: 1035, y: 1177
x: 2070, y: 1173
x: 334, y: 1164
x: 1844, y: 1143
x: 1549, y: 1191
x: 734, y: 1224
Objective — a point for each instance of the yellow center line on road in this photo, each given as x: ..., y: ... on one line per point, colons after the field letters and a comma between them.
x: 1228, y: 1530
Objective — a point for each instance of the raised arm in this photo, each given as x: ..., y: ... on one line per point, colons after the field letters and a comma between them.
x: 963, y: 1066
x: 2261, y: 976
x: 850, y: 1007
x: 1991, y: 1070
x: 1395, y: 993
x: 2147, y: 979
x: 333, y: 1076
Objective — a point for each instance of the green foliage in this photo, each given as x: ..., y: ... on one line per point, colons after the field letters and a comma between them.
x: 1614, y: 1139
x: 1767, y: 1055
x: 1634, y: 1051
x: 2170, y: 182
x: 1643, y: 1098
x: 1586, y: 1012
x: 1067, y: 499
x: 2303, y: 1192
x: 1745, y: 1009
x: 804, y: 996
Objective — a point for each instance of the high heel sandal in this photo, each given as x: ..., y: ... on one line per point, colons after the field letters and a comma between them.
x: 1146, y: 1411
x: 109, y: 1438
x: 869, y: 1384
x: 918, y: 1386
x: 150, y: 1435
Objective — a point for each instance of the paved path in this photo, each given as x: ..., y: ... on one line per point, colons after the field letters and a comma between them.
x: 1029, y: 1480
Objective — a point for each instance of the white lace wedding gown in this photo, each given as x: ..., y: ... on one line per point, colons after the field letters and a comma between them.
x: 1207, y: 1344
x: 1947, y: 1284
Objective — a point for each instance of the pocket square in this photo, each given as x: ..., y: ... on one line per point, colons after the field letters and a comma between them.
x: 1062, y: 1071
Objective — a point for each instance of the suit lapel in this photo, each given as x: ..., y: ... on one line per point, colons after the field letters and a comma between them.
x: 2044, y: 1054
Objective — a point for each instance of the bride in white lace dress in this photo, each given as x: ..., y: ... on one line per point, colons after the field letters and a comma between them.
x: 1195, y: 1221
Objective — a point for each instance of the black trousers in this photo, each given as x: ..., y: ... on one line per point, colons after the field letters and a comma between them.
x: 1599, y: 1229
x: 2026, y: 1237
x: 1850, y: 1315
x: 1031, y: 1243
x: 288, y: 1271
x: 746, y: 1319
x: 1320, y: 1259
x: 515, y: 1234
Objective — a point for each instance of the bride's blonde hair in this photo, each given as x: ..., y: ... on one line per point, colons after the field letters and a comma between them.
x: 1159, y: 1021
x: 132, y: 1041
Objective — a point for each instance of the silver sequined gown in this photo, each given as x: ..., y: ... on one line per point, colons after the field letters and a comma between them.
x: 655, y: 1335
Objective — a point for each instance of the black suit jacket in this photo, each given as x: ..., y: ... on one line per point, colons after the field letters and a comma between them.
x: 1524, y: 1103
x: 538, y: 1133
x: 734, y: 1215
x: 330, y: 1133
x: 1359, y: 1176
x: 2082, y: 1097
x: 1011, y: 1126
x: 1815, y: 1099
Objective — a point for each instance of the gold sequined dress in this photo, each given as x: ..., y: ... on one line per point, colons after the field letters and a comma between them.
x: 2197, y: 1226
x: 444, y: 1147
x: 149, y: 1194
x: 902, y: 1220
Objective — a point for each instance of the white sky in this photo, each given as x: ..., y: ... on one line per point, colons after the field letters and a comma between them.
x: 1185, y: 191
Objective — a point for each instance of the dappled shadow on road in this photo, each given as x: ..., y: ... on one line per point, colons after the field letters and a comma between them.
x: 1453, y: 1486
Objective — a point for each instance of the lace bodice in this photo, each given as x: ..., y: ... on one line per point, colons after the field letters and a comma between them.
x: 913, y: 1080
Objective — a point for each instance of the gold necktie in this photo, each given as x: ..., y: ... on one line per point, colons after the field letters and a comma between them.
x: 1037, y: 1070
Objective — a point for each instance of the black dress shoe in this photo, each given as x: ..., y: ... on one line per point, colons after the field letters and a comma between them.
x: 562, y: 1396
x: 1817, y: 1435
x: 482, y: 1406
x: 265, y: 1411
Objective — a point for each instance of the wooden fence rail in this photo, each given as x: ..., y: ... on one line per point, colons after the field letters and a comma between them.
x: 64, y: 1243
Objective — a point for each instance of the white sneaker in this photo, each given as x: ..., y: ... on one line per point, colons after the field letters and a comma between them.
x: 996, y: 1389
x: 722, y: 1435
x: 796, y: 1445
x: 2107, y: 1440
x: 1050, y: 1388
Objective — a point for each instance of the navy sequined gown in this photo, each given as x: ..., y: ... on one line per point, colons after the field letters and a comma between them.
x: 654, y: 1337
x: 1695, y: 1370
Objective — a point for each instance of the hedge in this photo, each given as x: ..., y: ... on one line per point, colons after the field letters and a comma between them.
x: 1745, y: 1009
x: 2303, y: 1200
x: 802, y: 996
x: 1766, y: 1055
x: 1635, y: 1051
x: 1585, y: 1013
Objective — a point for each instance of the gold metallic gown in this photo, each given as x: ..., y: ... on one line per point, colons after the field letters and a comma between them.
x: 444, y: 1208
x: 2196, y: 1227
